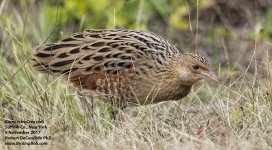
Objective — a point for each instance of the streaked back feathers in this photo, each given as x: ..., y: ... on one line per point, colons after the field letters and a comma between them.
x: 102, y: 50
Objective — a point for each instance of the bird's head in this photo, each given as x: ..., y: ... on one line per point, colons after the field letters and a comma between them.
x: 194, y: 67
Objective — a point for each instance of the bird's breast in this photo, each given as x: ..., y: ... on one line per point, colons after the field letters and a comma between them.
x: 150, y: 91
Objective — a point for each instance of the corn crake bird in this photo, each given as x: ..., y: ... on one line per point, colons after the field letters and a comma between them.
x: 124, y: 67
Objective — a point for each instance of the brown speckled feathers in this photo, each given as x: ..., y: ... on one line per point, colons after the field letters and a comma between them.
x: 102, y: 50
x: 128, y: 65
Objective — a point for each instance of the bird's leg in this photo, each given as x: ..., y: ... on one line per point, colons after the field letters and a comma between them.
x: 86, y: 108
x: 117, y: 114
x: 117, y: 111
x: 118, y: 117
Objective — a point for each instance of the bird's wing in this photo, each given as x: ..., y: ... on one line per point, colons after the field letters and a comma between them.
x: 103, y: 51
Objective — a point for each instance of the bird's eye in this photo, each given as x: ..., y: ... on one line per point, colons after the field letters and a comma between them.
x: 195, y: 67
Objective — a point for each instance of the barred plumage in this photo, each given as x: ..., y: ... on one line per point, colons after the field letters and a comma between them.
x: 122, y: 66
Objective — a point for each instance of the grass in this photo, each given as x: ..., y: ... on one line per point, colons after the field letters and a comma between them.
x: 234, y: 114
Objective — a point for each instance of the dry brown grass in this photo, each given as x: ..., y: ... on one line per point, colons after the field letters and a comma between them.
x: 234, y: 114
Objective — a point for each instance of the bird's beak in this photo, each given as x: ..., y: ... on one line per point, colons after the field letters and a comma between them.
x: 210, y: 75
